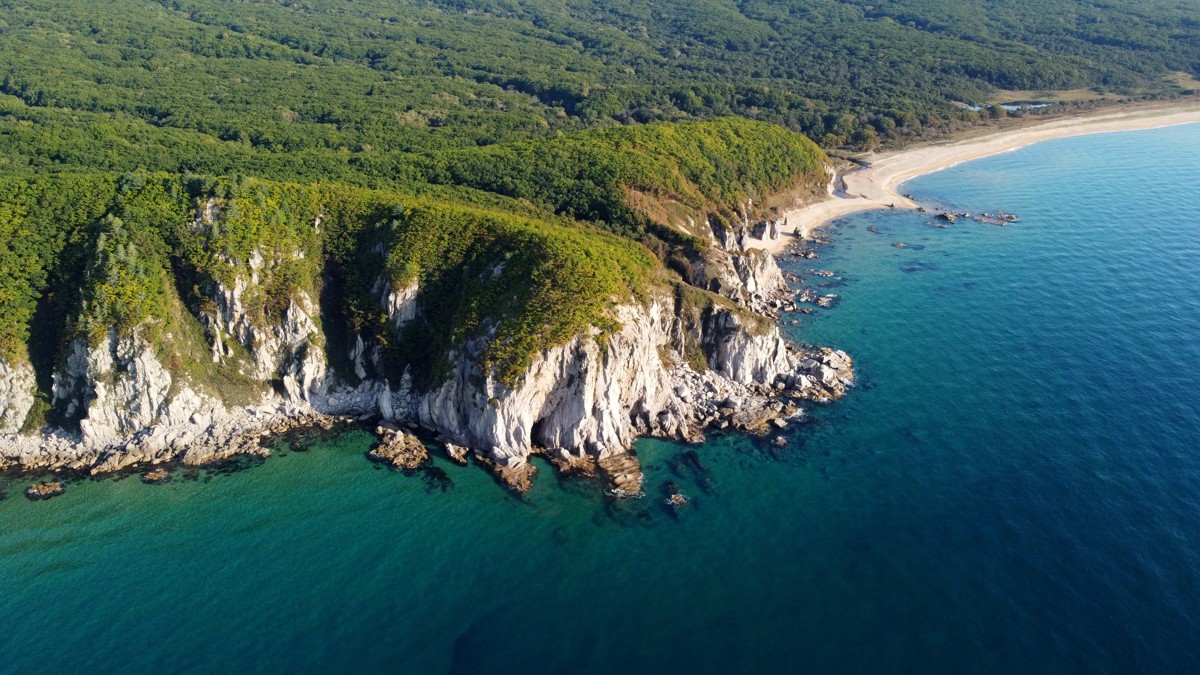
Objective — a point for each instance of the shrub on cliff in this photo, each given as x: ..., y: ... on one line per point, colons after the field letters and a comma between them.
x: 530, y: 284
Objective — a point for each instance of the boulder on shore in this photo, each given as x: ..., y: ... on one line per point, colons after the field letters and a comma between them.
x: 514, y: 473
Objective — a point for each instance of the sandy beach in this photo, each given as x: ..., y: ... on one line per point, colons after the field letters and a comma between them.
x: 876, y: 187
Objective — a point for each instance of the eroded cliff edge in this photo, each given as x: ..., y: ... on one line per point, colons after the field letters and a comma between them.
x: 684, y: 359
x: 194, y: 316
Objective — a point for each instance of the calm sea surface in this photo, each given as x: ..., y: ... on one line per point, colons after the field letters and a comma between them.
x: 1014, y: 487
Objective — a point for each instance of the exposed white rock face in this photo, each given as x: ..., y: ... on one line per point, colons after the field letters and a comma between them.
x: 580, y: 397
x: 132, y: 410
x: 725, y: 236
x: 736, y: 353
x: 401, y: 305
x: 294, y: 345
x: 766, y: 230
x: 17, y: 386
x: 358, y: 357
x: 748, y: 276
x: 758, y: 272
x: 586, y: 399
x: 288, y: 349
x: 119, y: 388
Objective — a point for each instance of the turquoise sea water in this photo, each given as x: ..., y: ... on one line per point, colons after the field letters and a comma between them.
x: 1014, y: 487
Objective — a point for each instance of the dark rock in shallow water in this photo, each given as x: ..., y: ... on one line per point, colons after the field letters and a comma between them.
x: 46, y: 490
x: 919, y: 266
x: 436, y: 480
x: 689, y: 465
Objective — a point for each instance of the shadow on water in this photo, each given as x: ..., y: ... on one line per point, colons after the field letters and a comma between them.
x: 626, y: 512
x: 580, y: 485
x: 687, y: 465
x: 480, y: 648
x: 919, y: 266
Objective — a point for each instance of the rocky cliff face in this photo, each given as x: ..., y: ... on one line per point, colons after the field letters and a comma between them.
x: 16, y: 396
x: 733, y: 269
x: 582, y: 397
x: 119, y: 388
x: 589, y: 399
x: 673, y: 369
x: 288, y: 349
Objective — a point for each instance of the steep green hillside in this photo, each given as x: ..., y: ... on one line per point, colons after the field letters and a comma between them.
x: 519, y: 245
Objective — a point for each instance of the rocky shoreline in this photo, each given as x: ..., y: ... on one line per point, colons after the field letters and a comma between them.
x: 683, y: 363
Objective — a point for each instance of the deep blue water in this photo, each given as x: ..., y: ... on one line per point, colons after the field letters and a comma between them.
x: 1014, y: 487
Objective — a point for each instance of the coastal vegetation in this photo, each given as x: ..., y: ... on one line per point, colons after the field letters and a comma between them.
x: 384, y: 76
x: 527, y: 165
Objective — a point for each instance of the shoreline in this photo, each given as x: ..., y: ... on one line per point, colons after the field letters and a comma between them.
x: 877, y: 186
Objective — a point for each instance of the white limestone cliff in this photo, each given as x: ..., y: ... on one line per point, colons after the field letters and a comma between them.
x: 17, y: 387
x: 288, y: 349
x: 584, y: 400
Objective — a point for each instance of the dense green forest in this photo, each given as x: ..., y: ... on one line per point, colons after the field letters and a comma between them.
x: 502, y: 152
x: 408, y: 75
